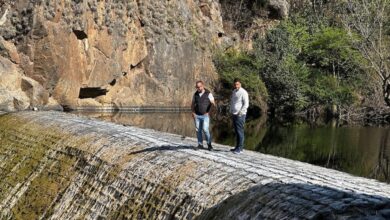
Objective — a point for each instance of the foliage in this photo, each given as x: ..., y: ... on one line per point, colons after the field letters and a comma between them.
x: 302, y: 67
x: 283, y: 74
x: 326, y: 90
x: 305, y: 66
x: 307, y: 61
x: 234, y: 64
x: 332, y: 50
x: 369, y: 19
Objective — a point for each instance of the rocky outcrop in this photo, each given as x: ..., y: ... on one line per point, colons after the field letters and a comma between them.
x: 18, y: 92
x: 279, y: 7
x: 245, y: 21
x: 116, y: 54
x: 139, y: 52
x: 59, y: 166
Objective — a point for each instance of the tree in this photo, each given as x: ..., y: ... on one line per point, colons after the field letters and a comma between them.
x: 331, y: 49
x: 368, y: 18
x: 235, y: 64
x: 284, y: 75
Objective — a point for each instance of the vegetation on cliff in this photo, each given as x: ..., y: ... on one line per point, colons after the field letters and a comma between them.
x: 318, y: 60
x: 234, y: 64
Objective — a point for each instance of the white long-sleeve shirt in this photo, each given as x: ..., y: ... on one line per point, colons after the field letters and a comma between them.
x: 239, y: 102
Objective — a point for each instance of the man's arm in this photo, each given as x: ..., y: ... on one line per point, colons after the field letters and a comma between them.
x: 213, y: 106
x: 193, y: 106
x: 212, y: 101
x: 245, y: 103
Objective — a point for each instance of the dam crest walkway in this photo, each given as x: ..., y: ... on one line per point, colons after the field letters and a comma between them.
x: 100, y: 170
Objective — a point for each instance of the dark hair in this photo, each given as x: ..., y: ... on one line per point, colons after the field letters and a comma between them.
x: 199, y: 81
x: 237, y: 80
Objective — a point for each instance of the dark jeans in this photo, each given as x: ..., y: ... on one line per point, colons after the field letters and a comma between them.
x: 238, y: 123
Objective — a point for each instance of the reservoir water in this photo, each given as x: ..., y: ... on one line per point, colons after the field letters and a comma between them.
x: 355, y: 149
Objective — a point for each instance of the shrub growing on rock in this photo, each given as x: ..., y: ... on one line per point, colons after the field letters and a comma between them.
x: 235, y: 64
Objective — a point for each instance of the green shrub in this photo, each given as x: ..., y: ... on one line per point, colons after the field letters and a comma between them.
x: 331, y: 49
x: 282, y: 72
x: 304, y: 69
x: 326, y: 90
x: 234, y: 64
x: 300, y: 64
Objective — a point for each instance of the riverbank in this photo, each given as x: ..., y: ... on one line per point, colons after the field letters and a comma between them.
x: 89, y: 169
x: 350, y: 115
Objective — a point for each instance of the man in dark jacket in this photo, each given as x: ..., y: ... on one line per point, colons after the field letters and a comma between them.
x: 202, y: 101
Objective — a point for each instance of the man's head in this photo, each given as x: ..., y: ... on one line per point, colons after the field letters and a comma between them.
x: 237, y: 83
x: 199, y: 86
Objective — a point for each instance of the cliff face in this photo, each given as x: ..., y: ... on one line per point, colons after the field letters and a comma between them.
x: 117, y: 53
x: 108, y: 53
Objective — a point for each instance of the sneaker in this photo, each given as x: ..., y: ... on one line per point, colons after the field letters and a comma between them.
x: 237, y: 151
x: 233, y: 149
x: 210, y: 148
x: 200, y: 146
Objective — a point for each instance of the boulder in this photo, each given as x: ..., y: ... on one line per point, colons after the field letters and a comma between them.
x: 18, y: 92
x: 37, y: 94
x: 9, y: 50
x: 11, y: 101
x: 280, y: 7
x: 11, y: 96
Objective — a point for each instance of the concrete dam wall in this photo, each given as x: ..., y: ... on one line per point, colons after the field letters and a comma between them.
x: 58, y: 166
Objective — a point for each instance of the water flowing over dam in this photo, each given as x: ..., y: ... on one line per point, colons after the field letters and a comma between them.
x: 59, y: 166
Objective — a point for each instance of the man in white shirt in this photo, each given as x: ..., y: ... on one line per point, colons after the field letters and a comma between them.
x: 202, y: 101
x: 239, y: 104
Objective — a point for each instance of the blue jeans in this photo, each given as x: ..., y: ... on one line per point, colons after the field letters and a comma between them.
x: 238, y: 124
x: 202, y: 123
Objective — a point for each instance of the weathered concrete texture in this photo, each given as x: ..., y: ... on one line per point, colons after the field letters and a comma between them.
x: 59, y: 166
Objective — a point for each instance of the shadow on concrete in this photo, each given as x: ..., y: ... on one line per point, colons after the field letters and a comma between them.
x: 299, y: 201
x: 171, y: 148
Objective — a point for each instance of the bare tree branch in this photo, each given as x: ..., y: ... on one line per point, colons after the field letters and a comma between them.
x: 367, y: 19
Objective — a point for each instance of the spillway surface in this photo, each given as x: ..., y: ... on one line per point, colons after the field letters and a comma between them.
x: 59, y: 166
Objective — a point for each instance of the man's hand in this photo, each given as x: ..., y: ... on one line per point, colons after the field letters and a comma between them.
x: 193, y: 115
x: 213, y: 109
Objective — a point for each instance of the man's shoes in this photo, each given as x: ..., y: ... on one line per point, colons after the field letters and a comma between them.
x: 237, y: 151
x: 210, y: 148
x: 233, y: 149
x: 200, y: 146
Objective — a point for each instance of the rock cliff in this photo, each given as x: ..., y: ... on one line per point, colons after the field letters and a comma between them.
x: 78, y: 53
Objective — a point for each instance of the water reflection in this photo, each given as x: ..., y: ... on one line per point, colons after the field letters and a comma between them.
x: 175, y: 123
x: 362, y: 151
